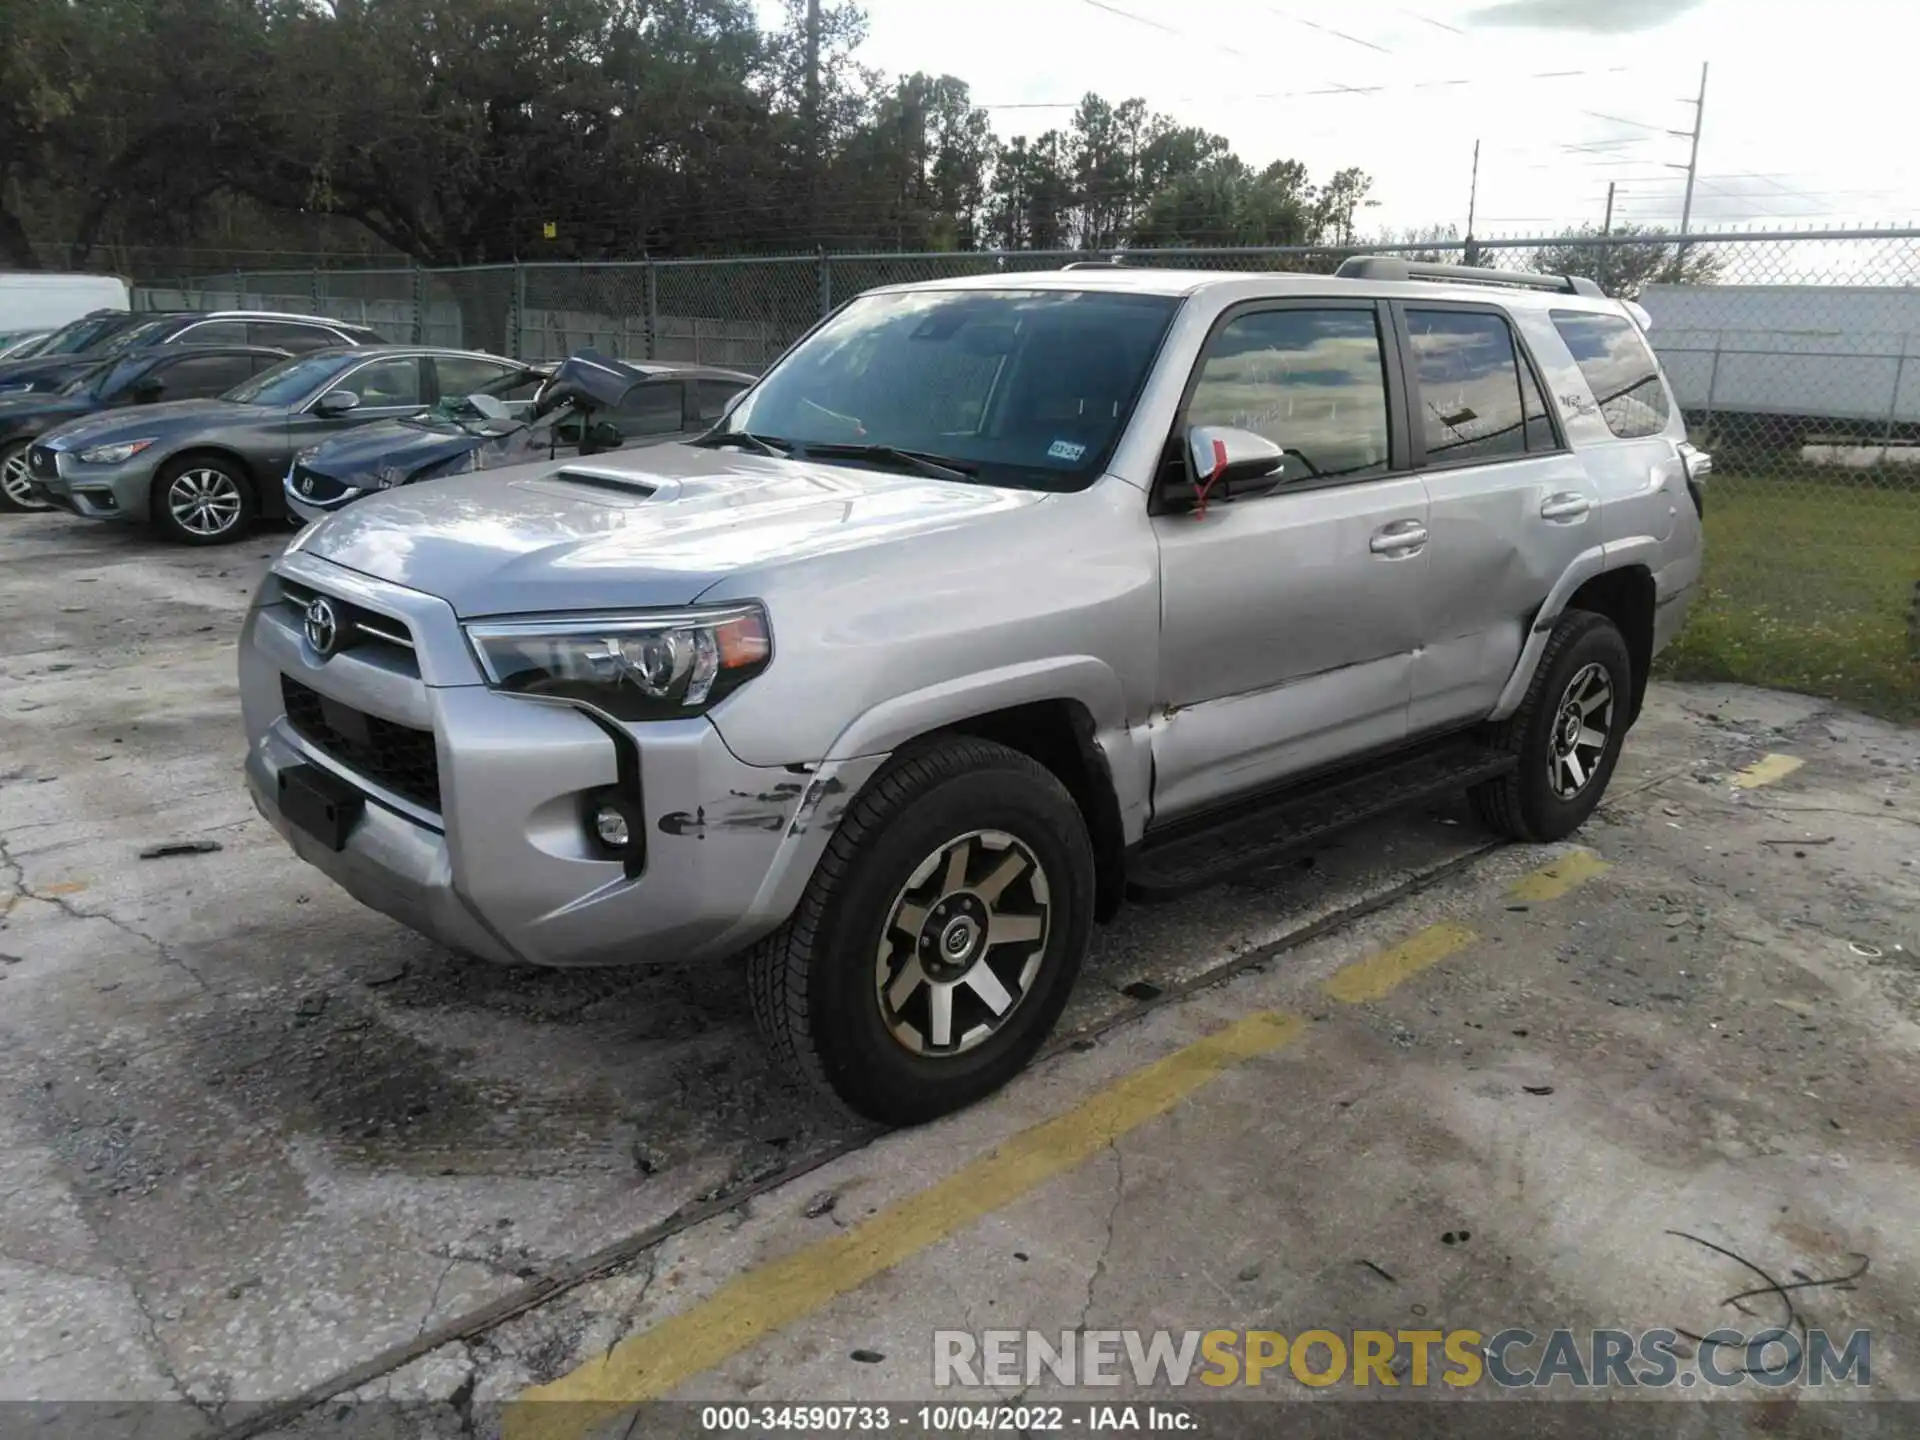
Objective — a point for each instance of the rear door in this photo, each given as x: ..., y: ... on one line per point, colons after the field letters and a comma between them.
x: 199, y: 377
x: 1289, y: 621
x: 1510, y: 506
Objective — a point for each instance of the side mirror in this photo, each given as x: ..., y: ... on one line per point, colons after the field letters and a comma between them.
x: 336, y: 402
x: 145, y: 390
x: 1225, y: 459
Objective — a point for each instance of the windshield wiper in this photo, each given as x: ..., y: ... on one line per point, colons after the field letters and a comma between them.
x: 746, y: 440
x: 938, y: 467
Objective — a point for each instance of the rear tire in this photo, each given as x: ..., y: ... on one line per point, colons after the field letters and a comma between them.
x: 952, y: 844
x: 1567, y: 733
x: 16, y: 494
x: 203, y: 500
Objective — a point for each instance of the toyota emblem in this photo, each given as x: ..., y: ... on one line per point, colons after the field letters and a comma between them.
x: 322, y: 626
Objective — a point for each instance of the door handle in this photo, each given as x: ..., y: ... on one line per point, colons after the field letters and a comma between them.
x: 1567, y: 505
x: 1400, y: 538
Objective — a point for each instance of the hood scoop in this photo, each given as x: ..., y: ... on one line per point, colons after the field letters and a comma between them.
x: 627, y: 486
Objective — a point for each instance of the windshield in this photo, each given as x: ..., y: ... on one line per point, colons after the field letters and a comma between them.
x: 292, y: 380
x: 95, y: 381
x: 1024, y: 387
x: 125, y: 340
x: 77, y: 335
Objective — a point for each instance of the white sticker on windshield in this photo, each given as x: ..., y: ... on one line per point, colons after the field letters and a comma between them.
x: 1065, y: 450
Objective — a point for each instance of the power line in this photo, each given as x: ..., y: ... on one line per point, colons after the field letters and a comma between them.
x: 1333, y: 90
x: 1329, y: 30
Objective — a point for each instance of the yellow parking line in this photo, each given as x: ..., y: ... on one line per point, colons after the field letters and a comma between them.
x: 1379, y: 974
x: 655, y: 1362
x: 1766, y: 770
x: 1550, y: 882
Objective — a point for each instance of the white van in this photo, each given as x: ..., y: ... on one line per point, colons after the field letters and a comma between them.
x: 31, y: 300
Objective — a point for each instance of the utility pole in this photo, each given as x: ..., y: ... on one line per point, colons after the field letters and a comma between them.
x: 1606, y: 232
x: 814, y: 147
x: 1693, y: 154
x: 1471, y: 255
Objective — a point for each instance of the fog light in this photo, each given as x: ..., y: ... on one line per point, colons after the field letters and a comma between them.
x: 610, y: 824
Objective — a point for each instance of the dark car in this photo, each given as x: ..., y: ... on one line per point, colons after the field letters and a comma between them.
x: 202, y: 469
x: 591, y: 404
x: 141, y: 377
x: 121, y: 333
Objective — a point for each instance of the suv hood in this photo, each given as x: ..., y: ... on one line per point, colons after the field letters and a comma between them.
x: 658, y: 528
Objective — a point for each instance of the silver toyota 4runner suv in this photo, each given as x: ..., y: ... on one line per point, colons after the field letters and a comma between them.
x: 995, y: 601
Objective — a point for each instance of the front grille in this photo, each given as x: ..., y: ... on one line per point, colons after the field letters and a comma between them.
x: 397, y: 757
x: 355, y: 624
x: 41, y: 464
x: 313, y: 487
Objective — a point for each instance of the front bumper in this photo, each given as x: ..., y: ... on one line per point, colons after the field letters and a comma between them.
x: 313, y: 496
x: 505, y: 868
x: 96, y: 492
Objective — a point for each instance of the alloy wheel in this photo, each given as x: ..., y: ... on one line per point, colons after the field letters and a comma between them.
x: 204, y: 502
x: 963, y: 943
x: 15, y: 481
x: 1582, y: 725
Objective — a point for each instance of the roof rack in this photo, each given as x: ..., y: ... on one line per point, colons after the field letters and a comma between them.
x: 1110, y: 262
x: 1393, y: 267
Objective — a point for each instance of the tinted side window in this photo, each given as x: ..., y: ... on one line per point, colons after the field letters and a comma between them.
x: 385, y: 383
x: 213, y: 332
x: 201, y: 377
x: 1620, y: 370
x: 713, y: 397
x: 291, y: 336
x: 462, y: 376
x: 1311, y: 381
x: 1468, y: 383
x: 649, y: 410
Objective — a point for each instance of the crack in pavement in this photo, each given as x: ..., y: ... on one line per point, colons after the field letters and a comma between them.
x: 158, y: 1350
x: 1106, y: 1247
x: 22, y: 891
x: 629, y: 1312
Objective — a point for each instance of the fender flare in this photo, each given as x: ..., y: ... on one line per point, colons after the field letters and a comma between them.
x: 1600, y: 559
x: 893, y: 722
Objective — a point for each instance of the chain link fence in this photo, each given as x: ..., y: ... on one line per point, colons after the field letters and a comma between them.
x: 1796, y: 358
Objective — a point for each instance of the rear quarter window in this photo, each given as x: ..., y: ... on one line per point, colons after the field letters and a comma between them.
x: 1620, y: 370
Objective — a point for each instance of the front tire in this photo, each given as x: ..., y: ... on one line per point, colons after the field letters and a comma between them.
x: 939, y: 938
x: 1567, y: 733
x: 203, y: 500
x: 16, y: 489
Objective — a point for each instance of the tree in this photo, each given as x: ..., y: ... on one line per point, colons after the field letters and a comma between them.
x: 1633, y: 259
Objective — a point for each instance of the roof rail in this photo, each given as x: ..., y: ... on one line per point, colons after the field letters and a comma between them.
x: 1393, y: 267
x: 1108, y: 263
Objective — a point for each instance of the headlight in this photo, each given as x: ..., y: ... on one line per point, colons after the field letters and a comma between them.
x: 114, y: 454
x: 643, y: 666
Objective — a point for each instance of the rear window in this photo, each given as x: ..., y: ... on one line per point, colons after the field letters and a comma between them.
x: 1619, y: 369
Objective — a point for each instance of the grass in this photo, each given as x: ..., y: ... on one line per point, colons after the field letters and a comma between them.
x: 1809, y: 586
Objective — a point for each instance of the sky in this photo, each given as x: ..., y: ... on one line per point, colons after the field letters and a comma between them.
x: 1807, y: 116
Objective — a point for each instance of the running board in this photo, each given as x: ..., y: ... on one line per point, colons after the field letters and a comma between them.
x: 1194, y: 854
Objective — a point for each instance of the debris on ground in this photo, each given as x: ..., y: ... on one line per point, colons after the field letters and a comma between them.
x: 180, y: 847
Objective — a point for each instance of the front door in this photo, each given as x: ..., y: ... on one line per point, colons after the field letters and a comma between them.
x: 1512, y: 507
x: 1289, y: 621
x: 389, y: 388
